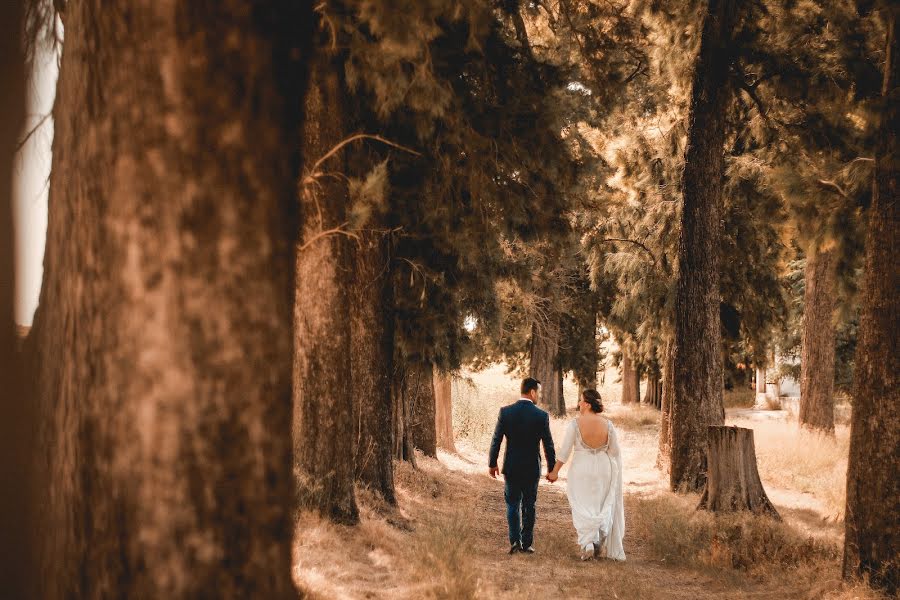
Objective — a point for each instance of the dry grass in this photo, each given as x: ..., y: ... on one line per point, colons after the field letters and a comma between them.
x: 676, y: 532
x: 633, y: 417
x: 739, y: 398
x: 442, y: 551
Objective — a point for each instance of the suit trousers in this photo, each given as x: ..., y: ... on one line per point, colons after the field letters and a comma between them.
x: 521, y: 494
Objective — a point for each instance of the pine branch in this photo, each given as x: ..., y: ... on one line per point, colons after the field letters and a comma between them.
x: 635, y: 242
x: 337, y: 148
x: 33, y: 130
x: 329, y: 232
x: 835, y: 185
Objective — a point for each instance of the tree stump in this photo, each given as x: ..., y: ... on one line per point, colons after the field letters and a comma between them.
x: 732, y: 480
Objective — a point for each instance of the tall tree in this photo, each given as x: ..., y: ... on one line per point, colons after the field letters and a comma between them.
x: 163, y: 333
x: 371, y: 359
x: 631, y: 380
x: 873, y: 472
x: 443, y: 392
x: 324, y: 423
x: 817, y: 355
x: 418, y: 390
x: 697, y: 362
x: 16, y: 548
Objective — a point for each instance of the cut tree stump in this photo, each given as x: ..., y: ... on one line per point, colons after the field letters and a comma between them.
x: 732, y: 480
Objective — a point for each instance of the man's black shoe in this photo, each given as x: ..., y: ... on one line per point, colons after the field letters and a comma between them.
x: 528, y: 550
x: 517, y: 547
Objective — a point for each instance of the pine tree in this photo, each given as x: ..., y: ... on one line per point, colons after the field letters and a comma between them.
x: 324, y: 419
x: 871, y: 537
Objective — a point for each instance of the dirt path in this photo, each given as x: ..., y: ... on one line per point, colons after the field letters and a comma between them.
x: 449, y: 540
x: 555, y: 570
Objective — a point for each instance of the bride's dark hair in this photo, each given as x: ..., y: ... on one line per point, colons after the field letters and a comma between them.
x: 593, y: 398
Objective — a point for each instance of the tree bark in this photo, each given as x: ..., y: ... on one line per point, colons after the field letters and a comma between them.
x: 631, y: 383
x: 403, y: 448
x: 544, y: 352
x: 163, y: 333
x: 16, y: 410
x: 665, y: 408
x: 760, y: 380
x: 419, y: 390
x: 733, y: 482
x: 697, y: 401
x: 817, y: 353
x: 873, y: 471
x: 372, y: 362
x: 324, y: 420
x: 653, y: 393
x: 443, y: 401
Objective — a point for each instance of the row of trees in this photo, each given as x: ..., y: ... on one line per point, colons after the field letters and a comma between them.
x: 269, y: 229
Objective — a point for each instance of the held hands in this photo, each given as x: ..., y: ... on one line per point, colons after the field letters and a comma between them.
x: 552, y: 476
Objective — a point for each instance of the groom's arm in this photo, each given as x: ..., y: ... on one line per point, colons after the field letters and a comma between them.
x: 495, y: 445
x: 549, y: 450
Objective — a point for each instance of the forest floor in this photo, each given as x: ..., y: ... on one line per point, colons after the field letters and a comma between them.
x: 448, y: 537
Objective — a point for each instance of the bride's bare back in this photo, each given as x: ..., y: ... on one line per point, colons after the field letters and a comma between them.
x: 594, y: 430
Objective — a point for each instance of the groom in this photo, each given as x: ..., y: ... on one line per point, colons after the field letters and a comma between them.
x: 525, y: 426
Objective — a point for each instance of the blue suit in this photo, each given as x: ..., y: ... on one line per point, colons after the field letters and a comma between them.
x: 524, y: 426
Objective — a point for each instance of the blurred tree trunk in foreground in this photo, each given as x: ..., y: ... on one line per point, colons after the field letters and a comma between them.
x: 163, y: 334
x: 817, y: 354
x: 697, y: 370
x: 873, y: 471
x: 16, y: 550
x: 324, y: 423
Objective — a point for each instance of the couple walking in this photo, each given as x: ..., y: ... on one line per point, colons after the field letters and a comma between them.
x: 594, y: 484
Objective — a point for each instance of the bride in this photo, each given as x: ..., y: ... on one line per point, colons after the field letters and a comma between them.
x: 594, y: 481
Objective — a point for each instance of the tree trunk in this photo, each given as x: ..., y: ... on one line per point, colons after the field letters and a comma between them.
x: 759, y: 401
x: 817, y: 354
x: 403, y: 448
x: 419, y: 389
x: 372, y: 362
x: 697, y: 402
x: 653, y: 393
x: 873, y: 471
x: 733, y: 483
x: 443, y: 401
x: 163, y: 334
x: 760, y: 380
x: 16, y: 416
x: 324, y: 420
x: 544, y: 352
x: 631, y: 382
x: 665, y: 408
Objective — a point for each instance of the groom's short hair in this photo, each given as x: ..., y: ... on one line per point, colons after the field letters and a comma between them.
x: 529, y: 384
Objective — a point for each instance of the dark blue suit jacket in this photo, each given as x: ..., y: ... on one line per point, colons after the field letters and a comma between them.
x: 524, y: 426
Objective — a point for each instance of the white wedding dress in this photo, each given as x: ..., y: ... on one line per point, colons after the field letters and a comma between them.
x: 595, y: 491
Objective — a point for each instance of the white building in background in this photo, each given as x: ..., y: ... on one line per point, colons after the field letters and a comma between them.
x: 31, y: 173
